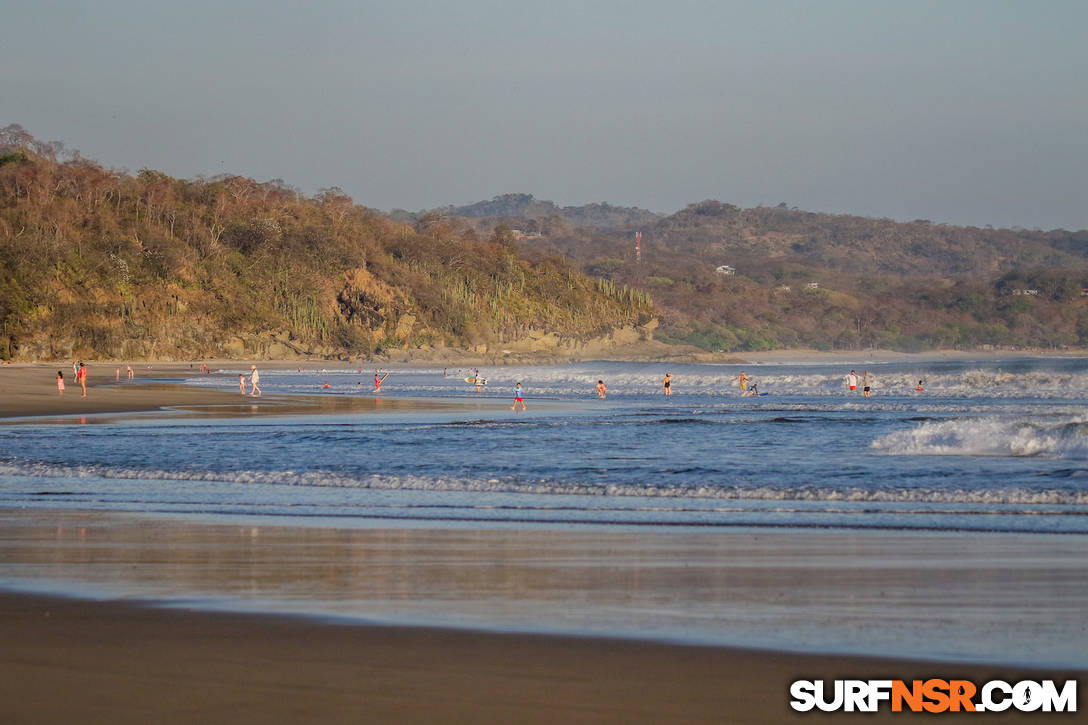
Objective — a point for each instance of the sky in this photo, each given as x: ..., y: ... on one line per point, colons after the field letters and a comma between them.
x: 957, y: 111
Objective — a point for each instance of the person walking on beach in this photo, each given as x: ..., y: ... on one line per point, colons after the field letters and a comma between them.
x: 866, y: 383
x: 60, y: 383
x: 852, y: 381
x: 254, y: 381
x: 81, y: 378
x: 667, y: 384
x: 518, y: 390
x: 602, y: 389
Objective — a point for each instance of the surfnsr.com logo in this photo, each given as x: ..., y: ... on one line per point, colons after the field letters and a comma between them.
x: 933, y: 695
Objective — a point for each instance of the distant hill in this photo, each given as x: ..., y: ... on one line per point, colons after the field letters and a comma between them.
x: 525, y: 207
x: 98, y: 263
x: 826, y: 280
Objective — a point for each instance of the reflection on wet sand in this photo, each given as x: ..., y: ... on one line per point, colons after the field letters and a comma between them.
x: 967, y: 597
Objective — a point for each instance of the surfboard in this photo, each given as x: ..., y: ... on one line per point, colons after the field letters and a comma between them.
x: 474, y: 381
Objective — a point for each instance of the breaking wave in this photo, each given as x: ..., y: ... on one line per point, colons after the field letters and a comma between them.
x: 990, y: 437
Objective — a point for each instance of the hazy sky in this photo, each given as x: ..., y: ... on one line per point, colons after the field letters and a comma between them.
x: 972, y: 112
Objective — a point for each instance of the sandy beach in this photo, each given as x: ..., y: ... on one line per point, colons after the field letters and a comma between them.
x: 69, y: 661
x: 29, y: 390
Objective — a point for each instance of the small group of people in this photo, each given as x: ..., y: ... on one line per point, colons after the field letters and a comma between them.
x: 254, y: 381
x: 79, y: 372
x: 866, y: 383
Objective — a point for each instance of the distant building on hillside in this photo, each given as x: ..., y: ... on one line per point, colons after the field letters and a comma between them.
x: 726, y: 271
x: 812, y: 285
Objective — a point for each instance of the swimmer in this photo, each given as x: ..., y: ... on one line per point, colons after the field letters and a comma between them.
x: 602, y: 389
x: 919, y: 387
x: 742, y: 381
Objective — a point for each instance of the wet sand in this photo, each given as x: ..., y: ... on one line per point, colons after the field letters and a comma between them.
x: 29, y: 390
x: 118, y: 659
x: 66, y: 661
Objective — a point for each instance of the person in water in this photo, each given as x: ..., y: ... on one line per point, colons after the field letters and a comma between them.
x: 919, y: 387
x: 866, y: 383
x: 667, y: 384
x: 602, y: 389
x: 742, y: 381
x: 60, y: 383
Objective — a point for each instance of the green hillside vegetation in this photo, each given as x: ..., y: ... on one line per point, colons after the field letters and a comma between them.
x: 101, y: 263
x: 877, y: 283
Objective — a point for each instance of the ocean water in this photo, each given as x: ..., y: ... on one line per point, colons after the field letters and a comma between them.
x: 947, y: 524
x: 999, y: 446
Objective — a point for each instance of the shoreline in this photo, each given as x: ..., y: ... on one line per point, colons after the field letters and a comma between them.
x: 29, y: 390
x: 68, y: 660
x: 836, y: 592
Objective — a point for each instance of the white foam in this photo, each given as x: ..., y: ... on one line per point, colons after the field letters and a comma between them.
x: 1064, y: 439
x: 630, y: 379
x: 994, y: 496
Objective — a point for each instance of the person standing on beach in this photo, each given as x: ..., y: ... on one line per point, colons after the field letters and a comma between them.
x: 517, y: 398
x: 81, y: 378
x: 242, y: 383
x: 602, y: 389
x: 667, y: 384
x: 131, y: 374
x: 866, y: 383
x: 254, y: 381
x: 60, y: 382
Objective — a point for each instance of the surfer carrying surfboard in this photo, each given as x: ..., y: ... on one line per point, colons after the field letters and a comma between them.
x: 378, y: 381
